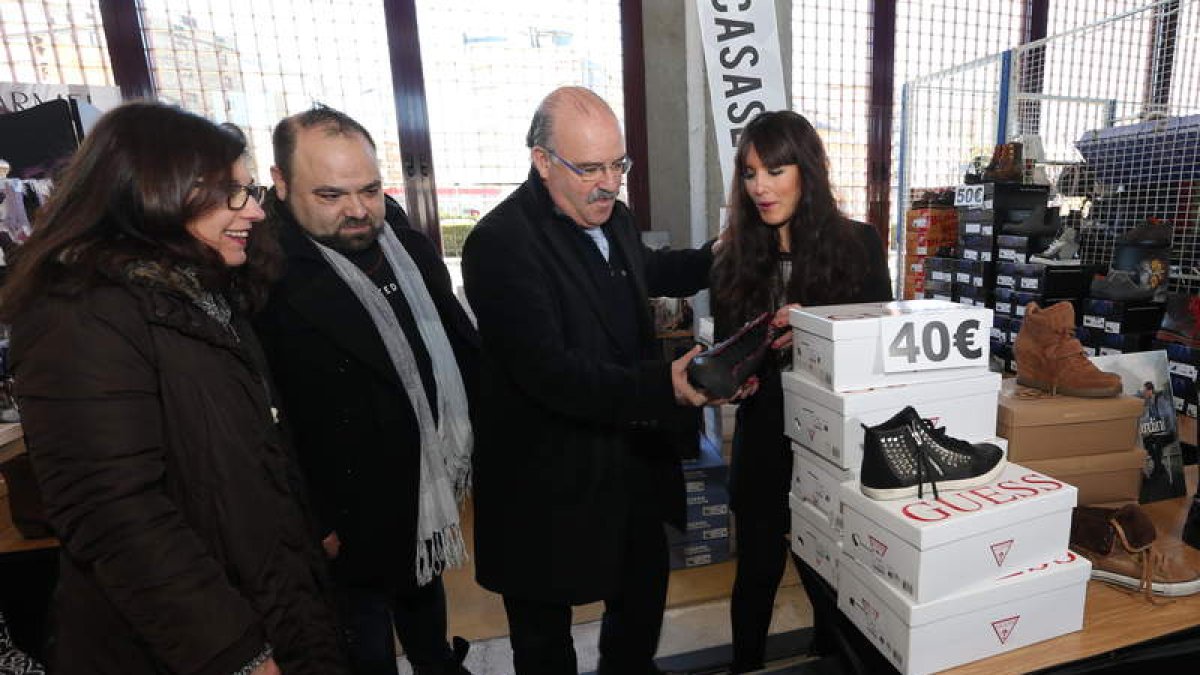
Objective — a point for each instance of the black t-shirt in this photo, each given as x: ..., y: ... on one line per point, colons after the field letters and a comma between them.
x: 374, y: 264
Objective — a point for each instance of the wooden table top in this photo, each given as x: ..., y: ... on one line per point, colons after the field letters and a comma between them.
x: 1113, y: 617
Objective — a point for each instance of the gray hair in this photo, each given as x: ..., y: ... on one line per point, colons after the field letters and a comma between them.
x: 540, y: 127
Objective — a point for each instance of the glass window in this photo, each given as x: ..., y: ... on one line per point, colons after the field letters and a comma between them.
x: 487, y: 66
x: 255, y: 63
x: 53, y: 42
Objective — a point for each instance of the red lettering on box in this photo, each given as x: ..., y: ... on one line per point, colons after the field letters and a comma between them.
x: 1039, y: 479
x: 909, y: 512
x: 989, y: 493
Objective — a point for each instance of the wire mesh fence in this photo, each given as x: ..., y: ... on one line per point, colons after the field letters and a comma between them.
x: 1109, y: 112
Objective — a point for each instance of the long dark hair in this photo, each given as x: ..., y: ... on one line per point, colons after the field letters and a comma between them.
x: 143, y: 173
x: 823, y: 244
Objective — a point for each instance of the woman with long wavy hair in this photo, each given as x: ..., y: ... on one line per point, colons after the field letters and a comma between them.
x: 149, y: 418
x: 786, y: 245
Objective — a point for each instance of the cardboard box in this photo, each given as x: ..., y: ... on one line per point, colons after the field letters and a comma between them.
x: 1032, y: 604
x: 831, y: 423
x: 818, y: 482
x: 975, y: 273
x: 699, y: 553
x: 1101, y: 479
x: 930, y: 547
x: 1115, y: 316
x: 941, y: 290
x: 842, y: 346
x: 701, y: 529
x: 708, y: 504
x: 1065, y: 426
x: 974, y: 296
x: 706, y: 473
x: 813, y: 543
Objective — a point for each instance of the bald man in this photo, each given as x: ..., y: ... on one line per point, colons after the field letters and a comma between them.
x: 577, y: 453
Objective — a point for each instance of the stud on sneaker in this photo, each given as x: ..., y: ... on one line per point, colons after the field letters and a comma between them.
x: 725, y: 367
x: 903, y: 454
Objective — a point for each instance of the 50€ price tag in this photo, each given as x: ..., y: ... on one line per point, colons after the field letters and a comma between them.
x: 951, y: 340
x: 969, y: 195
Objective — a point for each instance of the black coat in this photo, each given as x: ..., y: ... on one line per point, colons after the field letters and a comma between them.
x: 354, y: 428
x: 185, y: 544
x: 761, y: 470
x: 567, y: 416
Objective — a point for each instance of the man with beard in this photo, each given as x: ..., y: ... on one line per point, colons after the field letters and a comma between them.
x: 575, y: 471
x: 375, y: 360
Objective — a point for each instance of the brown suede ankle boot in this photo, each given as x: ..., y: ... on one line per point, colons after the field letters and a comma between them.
x: 1125, y: 550
x: 1050, y: 357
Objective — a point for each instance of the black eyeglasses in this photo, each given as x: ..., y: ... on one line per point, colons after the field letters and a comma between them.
x: 591, y: 173
x: 239, y: 195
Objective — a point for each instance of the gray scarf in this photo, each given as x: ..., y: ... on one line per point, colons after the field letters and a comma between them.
x: 445, y: 446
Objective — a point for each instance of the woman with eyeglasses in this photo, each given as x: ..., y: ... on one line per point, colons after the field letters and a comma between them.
x: 786, y: 245
x: 149, y: 418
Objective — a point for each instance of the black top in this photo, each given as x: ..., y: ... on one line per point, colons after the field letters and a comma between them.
x: 374, y: 264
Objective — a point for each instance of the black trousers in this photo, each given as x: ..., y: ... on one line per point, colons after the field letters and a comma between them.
x: 540, y: 631
x: 420, y: 619
x: 762, y: 547
x: 763, y: 550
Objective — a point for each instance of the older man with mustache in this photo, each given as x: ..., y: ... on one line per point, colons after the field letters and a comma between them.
x: 576, y: 463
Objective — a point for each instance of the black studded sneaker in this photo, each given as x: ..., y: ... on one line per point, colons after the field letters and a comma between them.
x: 904, y: 453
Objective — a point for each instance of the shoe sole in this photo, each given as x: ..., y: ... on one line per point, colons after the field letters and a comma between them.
x: 1070, y: 391
x: 891, y: 494
x: 1175, y: 589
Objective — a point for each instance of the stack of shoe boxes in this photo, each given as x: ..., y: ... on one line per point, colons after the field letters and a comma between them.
x: 706, y: 537
x: 930, y: 225
x: 986, y: 567
x: 1090, y: 443
x: 1184, y: 364
x: 1119, y: 327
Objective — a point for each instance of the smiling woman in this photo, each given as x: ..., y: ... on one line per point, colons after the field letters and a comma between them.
x: 148, y: 417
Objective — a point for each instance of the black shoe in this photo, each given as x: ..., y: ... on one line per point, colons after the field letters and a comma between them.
x: 904, y: 453
x: 720, y: 371
x: 1119, y: 285
x: 1153, y: 233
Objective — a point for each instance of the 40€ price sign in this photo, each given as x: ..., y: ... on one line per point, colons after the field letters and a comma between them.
x: 934, y: 341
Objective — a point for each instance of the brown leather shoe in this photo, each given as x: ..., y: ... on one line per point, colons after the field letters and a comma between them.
x: 1125, y: 550
x: 1050, y: 357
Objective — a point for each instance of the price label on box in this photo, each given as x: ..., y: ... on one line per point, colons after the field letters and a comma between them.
x: 951, y: 340
x: 970, y: 196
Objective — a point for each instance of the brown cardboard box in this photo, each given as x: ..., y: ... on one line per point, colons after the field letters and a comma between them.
x: 1105, y: 478
x: 1047, y: 427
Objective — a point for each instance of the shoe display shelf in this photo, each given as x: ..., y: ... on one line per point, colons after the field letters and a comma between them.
x: 933, y: 580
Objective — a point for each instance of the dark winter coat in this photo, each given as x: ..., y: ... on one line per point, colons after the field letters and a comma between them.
x: 186, y: 548
x: 567, y: 413
x: 355, y: 432
x: 761, y: 469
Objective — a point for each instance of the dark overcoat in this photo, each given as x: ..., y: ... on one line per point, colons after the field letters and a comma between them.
x: 354, y: 430
x: 566, y: 414
x: 185, y: 545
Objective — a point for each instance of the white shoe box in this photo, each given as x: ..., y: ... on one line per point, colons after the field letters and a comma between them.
x: 831, y: 423
x: 818, y: 483
x: 848, y: 347
x: 815, y: 543
x: 929, y: 548
x: 1029, y: 605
